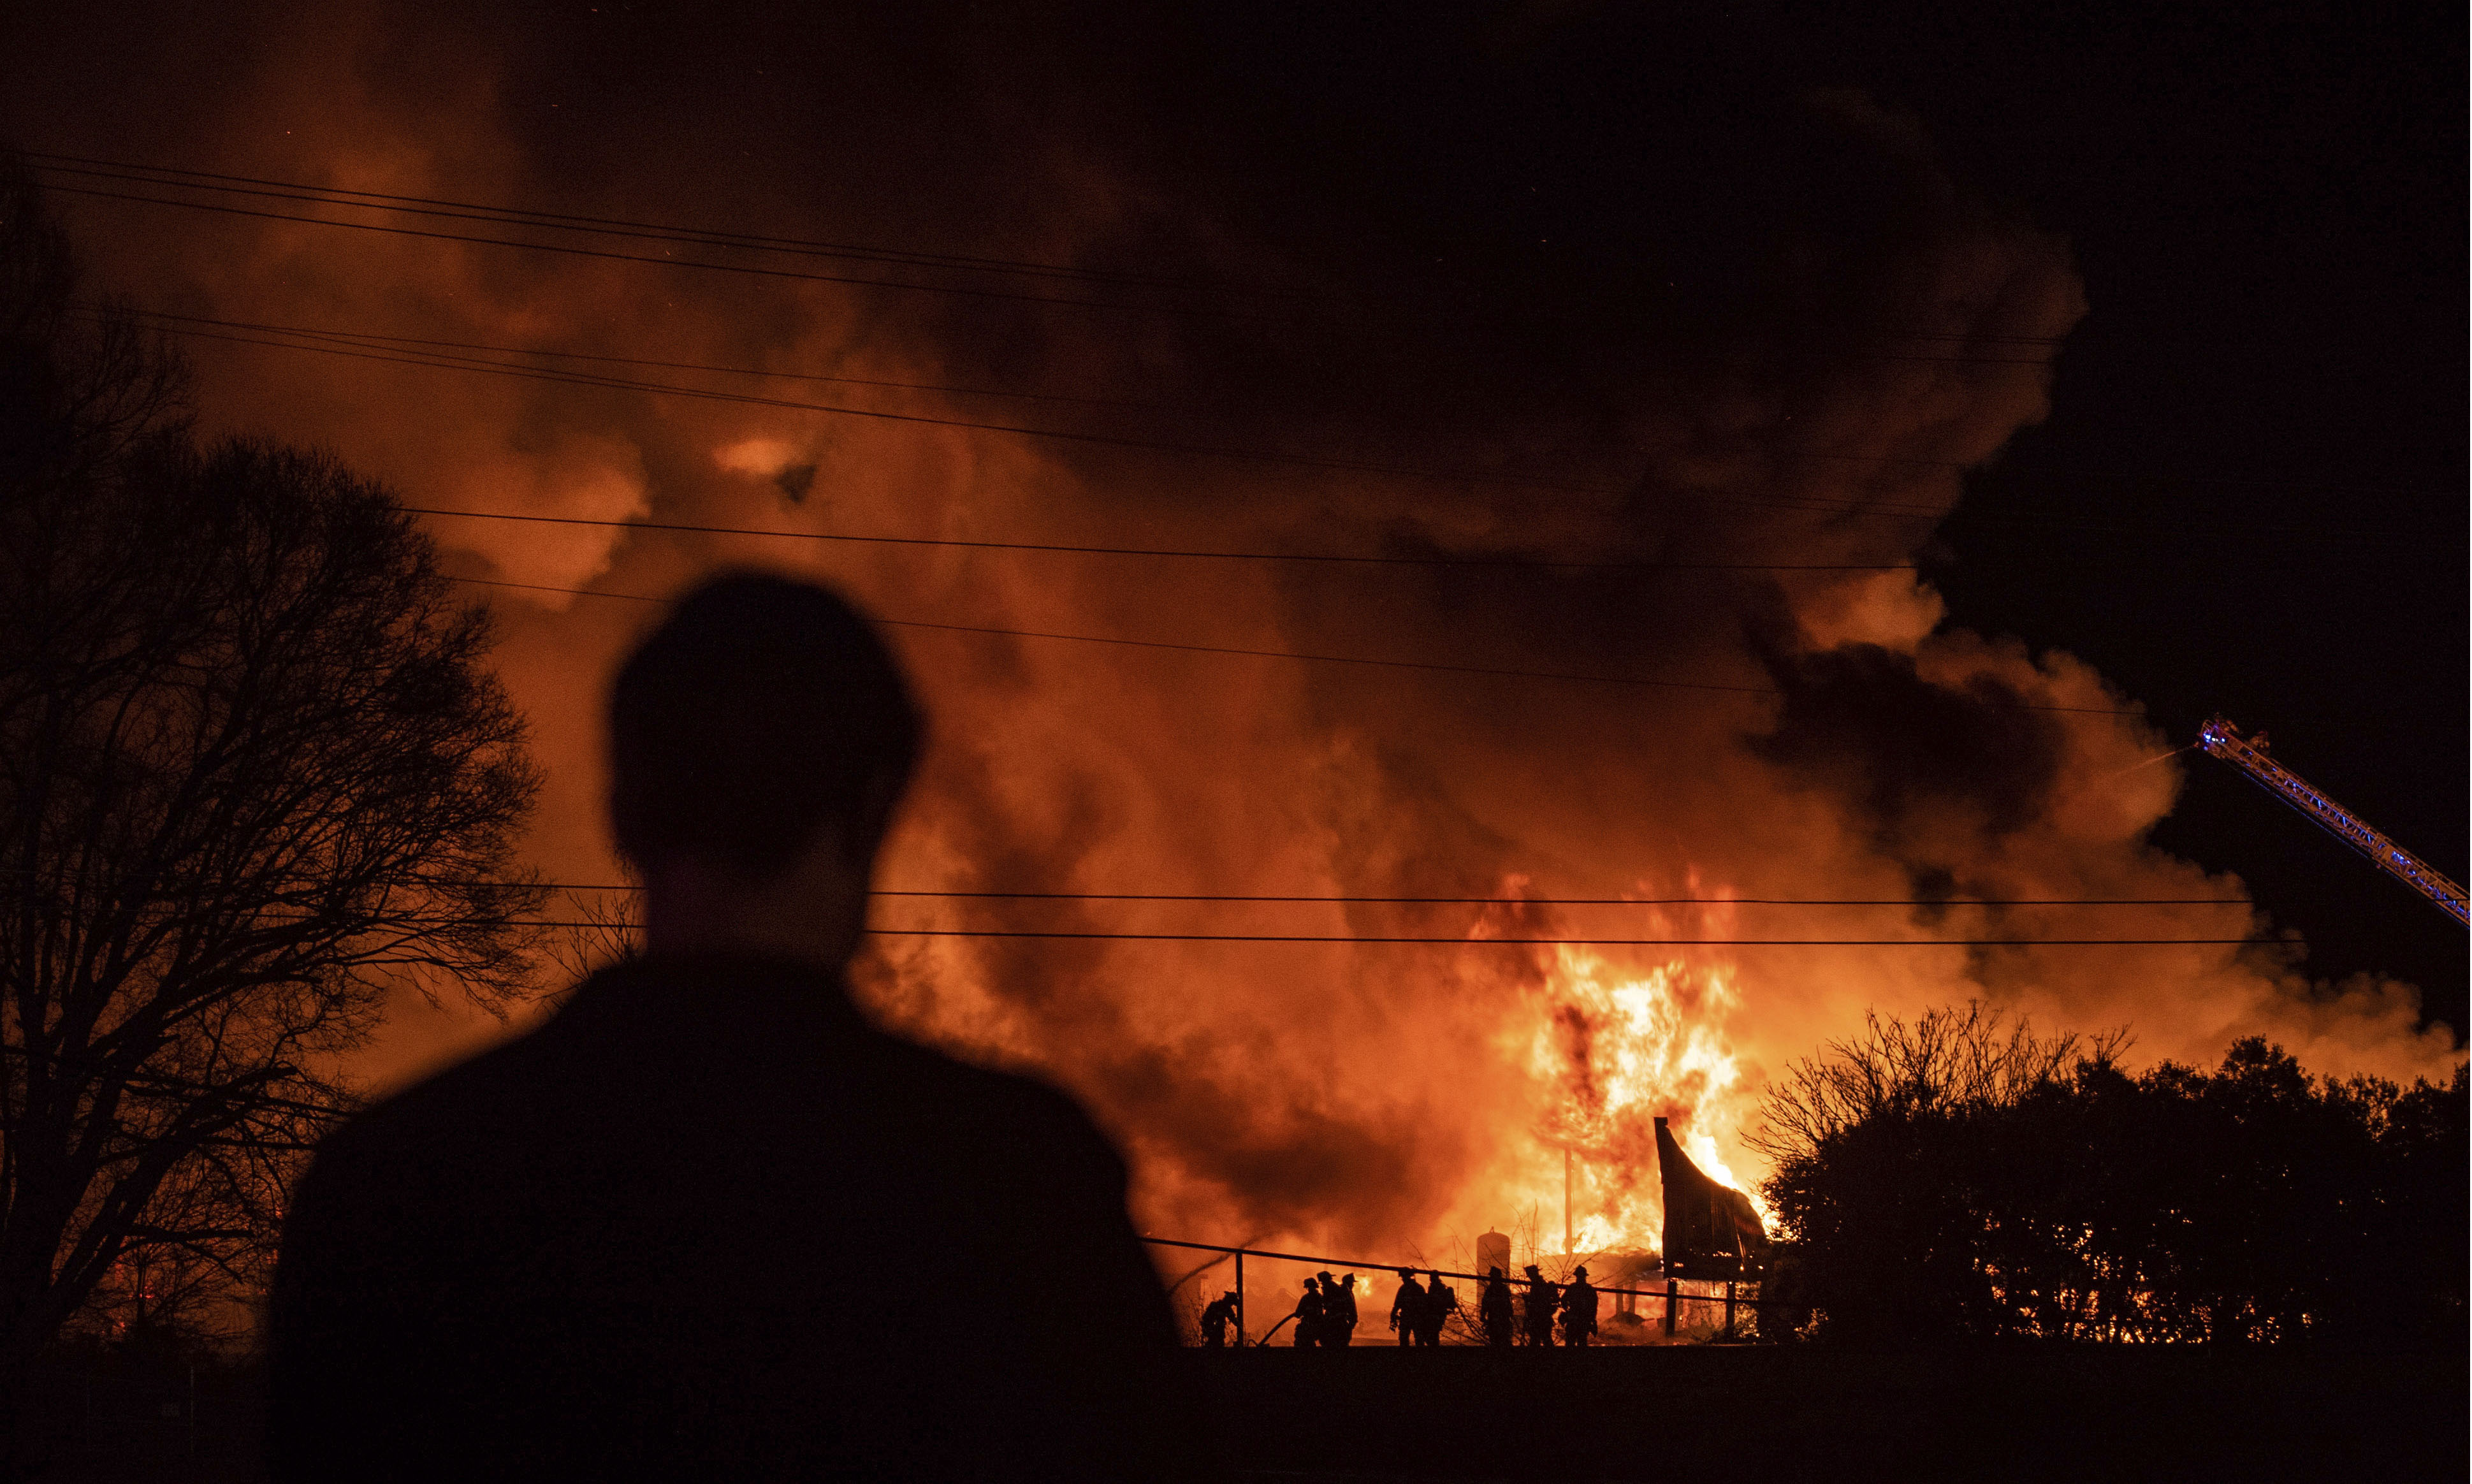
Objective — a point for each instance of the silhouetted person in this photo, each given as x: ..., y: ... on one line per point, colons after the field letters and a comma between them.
x: 1216, y: 1317
x: 1439, y: 1305
x: 1309, y: 1314
x: 1338, y: 1311
x: 1406, y: 1307
x: 1493, y: 1310
x: 1579, y: 1309
x: 1542, y: 1297
x: 593, y: 1253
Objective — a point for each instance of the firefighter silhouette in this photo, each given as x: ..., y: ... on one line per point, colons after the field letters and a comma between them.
x: 1309, y: 1314
x: 1215, y: 1319
x: 1439, y: 1305
x: 1542, y: 1297
x: 1338, y: 1311
x: 1579, y: 1309
x: 1493, y: 1310
x: 1406, y: 1307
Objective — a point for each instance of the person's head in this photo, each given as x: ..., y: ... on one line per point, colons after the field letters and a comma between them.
x: 759, y: 741
x: 1493, y: 1272
x: 1408, y: 1275
x: 1434, y: 1277
x: 1312, y: 1284
x: 1580, y: 1272
x: 1531, y: 1271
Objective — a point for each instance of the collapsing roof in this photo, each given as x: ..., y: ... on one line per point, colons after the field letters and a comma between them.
x: 1711, y: 1232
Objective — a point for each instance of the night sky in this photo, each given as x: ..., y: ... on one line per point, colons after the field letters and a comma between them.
x: 2247, y: 497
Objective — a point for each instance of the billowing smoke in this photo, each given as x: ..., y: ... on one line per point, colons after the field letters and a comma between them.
x: 1680, y: 468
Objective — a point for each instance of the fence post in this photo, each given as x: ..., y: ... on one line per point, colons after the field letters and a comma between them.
x: 1669, y: 1308
x: 1729, y: 1309
x: 1240, y: 1298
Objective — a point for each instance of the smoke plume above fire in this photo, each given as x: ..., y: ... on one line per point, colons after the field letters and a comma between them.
x: 1686, y: 473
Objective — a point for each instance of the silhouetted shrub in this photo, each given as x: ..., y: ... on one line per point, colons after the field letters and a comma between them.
x: 1962, y: 1177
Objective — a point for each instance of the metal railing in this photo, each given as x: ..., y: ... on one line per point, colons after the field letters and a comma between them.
x: 1729, y: 1301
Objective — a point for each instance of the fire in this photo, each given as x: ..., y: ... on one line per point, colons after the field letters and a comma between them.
x: 1612, y: 1048
x: 1327, y: 1098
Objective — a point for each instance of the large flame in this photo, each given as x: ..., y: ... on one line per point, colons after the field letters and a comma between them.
x: 1615, y: 1049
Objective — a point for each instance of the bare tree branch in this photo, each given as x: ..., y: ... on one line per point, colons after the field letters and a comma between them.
x: 255, y: 778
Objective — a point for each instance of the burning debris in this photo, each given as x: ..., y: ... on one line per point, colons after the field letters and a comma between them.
x: 1711, y: 1231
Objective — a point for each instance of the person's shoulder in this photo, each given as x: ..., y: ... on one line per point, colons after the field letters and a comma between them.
x: 469, y: 1101
x: 1023, y: 1108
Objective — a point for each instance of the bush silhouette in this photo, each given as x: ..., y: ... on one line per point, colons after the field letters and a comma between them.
x: 1962, y: 1177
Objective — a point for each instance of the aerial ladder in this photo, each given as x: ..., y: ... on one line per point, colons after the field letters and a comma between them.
x: 2221, y: 739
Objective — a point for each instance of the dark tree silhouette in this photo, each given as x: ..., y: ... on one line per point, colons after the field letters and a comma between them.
x: 1963, y: 1177
x: 606, y: 930
x: 253, y: 777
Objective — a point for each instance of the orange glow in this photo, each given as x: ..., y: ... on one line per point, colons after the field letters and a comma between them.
x: 1372, y: 1099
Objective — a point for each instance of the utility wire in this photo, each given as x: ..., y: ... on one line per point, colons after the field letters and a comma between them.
x: 409, y: 351
x: 1486, y: 902
x: 847, y: 280
x: 203, y: 179
x: 328, y: 195
x: 1508, y: 901
x: 1487, y: 943
x: 413, y: 350
x: 1214, y: 649
x: 445, y: 361
x: 300, y: 193
x: 1181, y: 553
x: 1280, y: 654
x: 753, y: 269
x: 414, y: 344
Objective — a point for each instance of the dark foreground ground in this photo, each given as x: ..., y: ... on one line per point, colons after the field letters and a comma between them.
x: 1744, y: 1413
x: 1705, y: 1413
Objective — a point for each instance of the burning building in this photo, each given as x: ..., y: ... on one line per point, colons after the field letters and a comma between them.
x: 1712, y: 1234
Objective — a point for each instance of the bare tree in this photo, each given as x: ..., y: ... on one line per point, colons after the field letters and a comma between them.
x: 607, y: 931
x: 253, y: 778
x: 1947, y: 1058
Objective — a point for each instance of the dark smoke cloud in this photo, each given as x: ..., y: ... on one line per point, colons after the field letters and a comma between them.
x: 1711, y: 319
x: 1860, y: 721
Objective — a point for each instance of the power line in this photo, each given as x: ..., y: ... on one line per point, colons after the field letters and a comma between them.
x: 444, y: 361
x: 207, y: 180
x: 1148, y: 896
x: 620, y: 227
x: 1483, y: 902
x: 413, y: 350
x: 717, y: 240
x: 724, y: 240
x: 411, y: 344
x: 1279, y: 653
x: 371, y: 341
x: 1179, y: 552
x: 302, y: 193
x: 387, y: 347
x: 1218, y: 649
x: 753, y: 269
x: 370, y: 345
x: 1487, y: 942
x: 330, y: 195
x: 1125, y: 551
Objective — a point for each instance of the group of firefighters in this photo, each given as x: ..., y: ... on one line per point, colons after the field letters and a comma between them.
x: 1326, y: 1313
